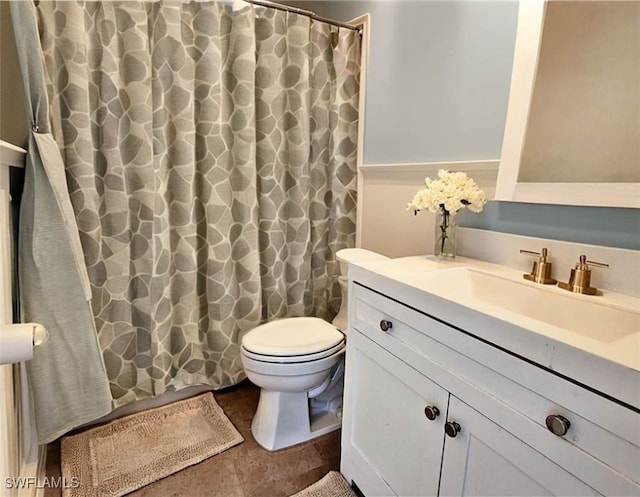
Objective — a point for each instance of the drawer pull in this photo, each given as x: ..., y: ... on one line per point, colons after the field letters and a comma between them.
x: 431, y: 412
x: 558, y: 425
x: 385, y: 325
x: 451, y: 428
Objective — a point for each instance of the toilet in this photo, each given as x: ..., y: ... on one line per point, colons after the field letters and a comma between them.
x: 298, y: 363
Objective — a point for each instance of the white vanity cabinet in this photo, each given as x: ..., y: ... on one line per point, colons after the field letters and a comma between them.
x: 433, y: 409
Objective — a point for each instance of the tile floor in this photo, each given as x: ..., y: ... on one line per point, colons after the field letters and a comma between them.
x: 246, y: 470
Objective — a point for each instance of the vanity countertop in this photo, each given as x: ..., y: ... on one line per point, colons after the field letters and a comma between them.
x: 590, y: 340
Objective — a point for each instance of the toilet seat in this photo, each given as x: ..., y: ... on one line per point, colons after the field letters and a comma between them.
x: 299, y: 339
x: 295, y: 358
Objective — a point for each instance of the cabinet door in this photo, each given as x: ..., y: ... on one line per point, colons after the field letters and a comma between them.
x: 386, y: 428
x: 485, y: 460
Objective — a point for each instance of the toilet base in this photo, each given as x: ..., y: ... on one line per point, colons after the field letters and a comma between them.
x: 283, y: 420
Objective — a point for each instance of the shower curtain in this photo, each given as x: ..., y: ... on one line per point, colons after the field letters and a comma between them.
x: 210, y: 158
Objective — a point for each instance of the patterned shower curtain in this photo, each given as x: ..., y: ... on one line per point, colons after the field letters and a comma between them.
x: 210, y: 158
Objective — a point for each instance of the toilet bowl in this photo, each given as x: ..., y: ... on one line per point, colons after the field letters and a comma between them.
x: 298, y: 363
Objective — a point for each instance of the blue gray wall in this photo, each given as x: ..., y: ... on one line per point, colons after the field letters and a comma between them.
x: 438, y: 77
x: 438, y: 86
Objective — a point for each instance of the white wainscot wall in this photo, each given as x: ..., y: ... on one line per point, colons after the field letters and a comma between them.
x: 385, y: 225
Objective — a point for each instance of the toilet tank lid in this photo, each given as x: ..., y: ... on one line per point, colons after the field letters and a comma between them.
x: 292, y: 336
x: 359, y: 255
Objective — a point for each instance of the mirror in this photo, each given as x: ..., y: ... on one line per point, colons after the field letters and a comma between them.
x: 573, y: 122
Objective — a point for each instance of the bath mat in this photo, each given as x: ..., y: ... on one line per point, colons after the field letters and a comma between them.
x: 131, y: 452
x: 332, y: 484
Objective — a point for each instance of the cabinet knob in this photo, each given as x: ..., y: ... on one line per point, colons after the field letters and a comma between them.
x: 558, y: 425
x: 385, y: 325
x: 451, y: 428
x: 431, y: 412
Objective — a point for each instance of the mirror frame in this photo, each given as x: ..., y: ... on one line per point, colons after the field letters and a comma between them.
x: 525, y: 61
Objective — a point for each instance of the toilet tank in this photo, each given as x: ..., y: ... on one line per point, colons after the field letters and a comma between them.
x: 346, y: 256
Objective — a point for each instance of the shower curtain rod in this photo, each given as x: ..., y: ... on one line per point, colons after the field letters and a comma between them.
x: 308, y: 13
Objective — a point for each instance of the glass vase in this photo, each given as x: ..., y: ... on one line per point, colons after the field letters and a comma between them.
x: 445, y: 234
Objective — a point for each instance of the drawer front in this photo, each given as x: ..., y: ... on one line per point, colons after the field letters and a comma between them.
x: 470, y: 368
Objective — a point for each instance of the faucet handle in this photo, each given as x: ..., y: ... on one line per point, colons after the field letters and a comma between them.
x: 541, y: 270
x: 582, y: 260
x: 542, y: 253
x: 580, y: 278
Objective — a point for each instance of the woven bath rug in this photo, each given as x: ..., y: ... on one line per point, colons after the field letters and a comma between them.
x: 126, y: 454
x: 332, y: 484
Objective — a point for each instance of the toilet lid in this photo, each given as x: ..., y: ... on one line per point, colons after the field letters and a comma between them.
x: 292, y: 337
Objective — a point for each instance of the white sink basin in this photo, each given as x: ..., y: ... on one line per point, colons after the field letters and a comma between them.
x: 588, y: 316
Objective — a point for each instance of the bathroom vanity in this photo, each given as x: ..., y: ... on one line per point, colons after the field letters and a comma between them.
x: 464, y: 379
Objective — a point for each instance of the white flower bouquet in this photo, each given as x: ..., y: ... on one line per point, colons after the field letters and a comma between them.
x: 446, y: 196
x: 450, y: 192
